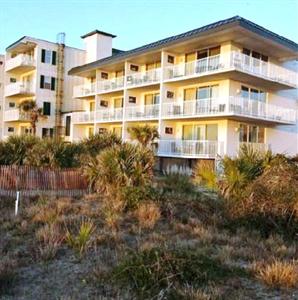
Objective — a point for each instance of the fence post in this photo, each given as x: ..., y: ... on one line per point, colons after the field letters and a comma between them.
x: 17, y: 203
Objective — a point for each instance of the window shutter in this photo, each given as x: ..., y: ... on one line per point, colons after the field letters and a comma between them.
x: 44, y: 132
x: 54, y: 54
x: 53, y: 81
x: 41, y: 81
x: 43, y: 55
x: 47, y: 108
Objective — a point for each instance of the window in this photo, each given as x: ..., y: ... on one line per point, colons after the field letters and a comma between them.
x: 152, y: 66
x: 104, y: 75
x: 118, y: 102
x: 151, y: 99
x: 47, y: 132
x: 104, y: 103
x: 47, y: 82
x: 10, y: 129
x: 48, y: 56
x: 67, y: 125
x: 11, y: 104
x: 204, y: 92
x: 251, y: 134
x: 92, y: 106
x: 254, y: 54
x: 253, y: 94
x: 171, y: 59
x: 46, y: 108
x: 132, y: 99
x: 117, y: 131
x: 134, y: 68
x: 200, y: 132
x: 12, y: 80
x: 1, y: 63
x: 211, y: 132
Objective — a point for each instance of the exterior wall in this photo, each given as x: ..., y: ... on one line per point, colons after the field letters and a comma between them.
x: 72, y: 58
x: 2, y: 66
x: 278, y: 135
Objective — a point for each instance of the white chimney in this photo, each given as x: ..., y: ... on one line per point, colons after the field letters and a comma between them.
x: 98, y: 45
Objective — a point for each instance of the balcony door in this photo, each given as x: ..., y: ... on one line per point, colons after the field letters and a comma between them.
x: 118, y: 102
x: 151, y: 108
x: 190, y: 59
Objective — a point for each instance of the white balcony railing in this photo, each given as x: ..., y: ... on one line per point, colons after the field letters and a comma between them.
x: 19, y: 88
x: 190, y: 148
x: 21, y: 60
x: 143, y: 78
x: 260, y: 147
x: 229, y: 106
x: 232, y: 61
x: 109, y: 115
x: 142, y: 112
x: 111, y: 84
x: 15, y: 115
x: 84, y: 90
x: 83, y: 117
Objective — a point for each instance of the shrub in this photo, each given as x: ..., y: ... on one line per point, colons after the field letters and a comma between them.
x: 270, y: 203
x: 278, y: 274
x: 153, y: 270
x: 205, y: 174
x: 7, y: 274
x: 148, y: 213
x: 55, y: 154
x: 80, y: 241
x: 50, y: 237
x: 16, y: 149
x: 121, y: 166
x: 145, y: 134
x: 177, y: 183
x: 99, y: 142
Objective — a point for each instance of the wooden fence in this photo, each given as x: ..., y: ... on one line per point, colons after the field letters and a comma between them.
x: 35, y: 181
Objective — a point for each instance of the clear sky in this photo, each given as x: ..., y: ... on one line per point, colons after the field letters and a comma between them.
x: 135, y: 22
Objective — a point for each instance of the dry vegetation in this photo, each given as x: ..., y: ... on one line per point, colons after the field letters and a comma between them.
x: 142, y: 236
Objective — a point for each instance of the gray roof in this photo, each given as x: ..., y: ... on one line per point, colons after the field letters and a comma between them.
x: 187, y: 35
x: 99, y: 32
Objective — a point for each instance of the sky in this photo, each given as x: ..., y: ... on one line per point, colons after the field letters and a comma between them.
x: 135, y: 22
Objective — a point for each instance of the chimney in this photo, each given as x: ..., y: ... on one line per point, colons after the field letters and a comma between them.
x: 98, y: 45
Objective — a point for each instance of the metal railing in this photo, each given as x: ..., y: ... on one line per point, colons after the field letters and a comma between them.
x: 190, y: 148
x: 84, y: 90
x: 260, y: 147
x: 229, y: 105
x: 143, y: 78
x: 109, y: 114
x: 111, y: 84
x: 233, y: 61
x: 142, y: 112
x: 83, y: 117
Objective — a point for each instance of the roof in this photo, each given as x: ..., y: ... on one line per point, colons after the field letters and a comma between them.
x: 35, y: 39
x: 187, y: 35
x: 99, y: 32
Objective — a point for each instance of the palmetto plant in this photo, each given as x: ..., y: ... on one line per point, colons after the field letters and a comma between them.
x: 145, y: 135
x: 35, y: 113
x: 121, y: 166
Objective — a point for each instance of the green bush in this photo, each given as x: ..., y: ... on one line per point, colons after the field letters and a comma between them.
x: 150, y: 271
x: 270, y: 202
x: 177, y: 183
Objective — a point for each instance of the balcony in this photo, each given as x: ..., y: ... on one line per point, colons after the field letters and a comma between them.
x: 84, y: 90
x: 83, y: 117
x: 111, y: 85
x: 20, y: 63
x: 14, y: 115
x: 190, y: 148
x: 230, y: 106
x: 109, y: 115
x: 142, y: 112
x: 233, y: 61
x: 19, y: 89
x: 143, y: 78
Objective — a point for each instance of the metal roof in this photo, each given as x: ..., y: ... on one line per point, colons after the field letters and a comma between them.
x: 187, y: 35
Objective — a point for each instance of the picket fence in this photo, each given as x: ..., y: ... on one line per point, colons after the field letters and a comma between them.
x: 32, y: 181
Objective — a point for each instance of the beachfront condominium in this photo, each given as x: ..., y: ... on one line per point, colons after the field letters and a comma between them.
x: 207, y: 91
x: 36, y: 70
